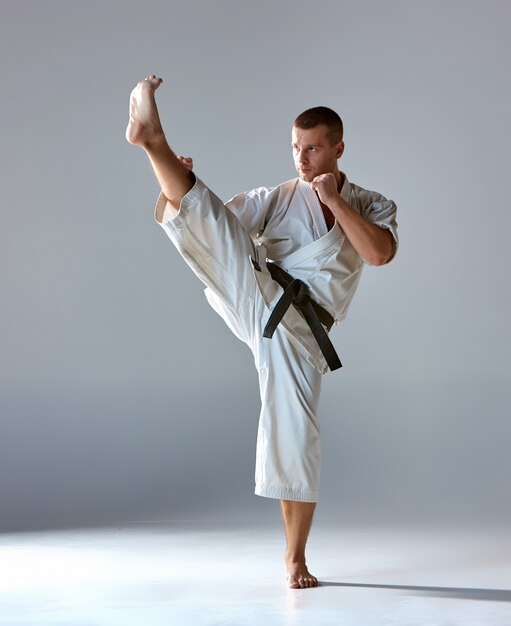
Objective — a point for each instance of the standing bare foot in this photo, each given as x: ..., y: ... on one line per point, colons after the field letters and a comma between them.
x: 297, y: 517
x: 144, y: 126
x: 298, y: 576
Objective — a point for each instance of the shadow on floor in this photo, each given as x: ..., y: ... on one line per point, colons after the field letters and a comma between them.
x: 461, y: 593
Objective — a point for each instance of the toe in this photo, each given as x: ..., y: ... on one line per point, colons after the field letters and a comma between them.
x: 293, y: 583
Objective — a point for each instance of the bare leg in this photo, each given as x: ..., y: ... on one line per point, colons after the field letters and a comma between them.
x: 297, y: 522
x: 145, y: 130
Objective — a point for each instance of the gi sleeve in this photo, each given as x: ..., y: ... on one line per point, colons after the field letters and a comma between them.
x: 251, y: 208
x: 382, y: 213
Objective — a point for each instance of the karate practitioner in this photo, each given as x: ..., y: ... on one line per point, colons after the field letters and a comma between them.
x: 280, y: 266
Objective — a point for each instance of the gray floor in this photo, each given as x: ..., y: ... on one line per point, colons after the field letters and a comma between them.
x: 232, y: 574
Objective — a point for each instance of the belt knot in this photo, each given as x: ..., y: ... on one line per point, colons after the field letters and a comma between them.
x: 297, y: 293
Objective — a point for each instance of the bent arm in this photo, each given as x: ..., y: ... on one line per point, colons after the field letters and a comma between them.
x: 374, y: 244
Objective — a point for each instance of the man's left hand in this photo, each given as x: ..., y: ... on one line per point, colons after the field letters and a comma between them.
x: 325, y: 185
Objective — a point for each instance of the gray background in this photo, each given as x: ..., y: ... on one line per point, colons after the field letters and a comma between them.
x: 123, y: 395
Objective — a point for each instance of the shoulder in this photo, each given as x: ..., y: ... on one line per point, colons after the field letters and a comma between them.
x: 366, y: 196
x: 262, y: 195
x: 370, y: 203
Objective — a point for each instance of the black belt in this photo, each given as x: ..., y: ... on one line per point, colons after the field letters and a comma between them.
x: 296, y: 293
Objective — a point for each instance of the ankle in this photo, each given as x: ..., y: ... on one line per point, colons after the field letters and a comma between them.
x: 294, y: 556
x: 155, y: 143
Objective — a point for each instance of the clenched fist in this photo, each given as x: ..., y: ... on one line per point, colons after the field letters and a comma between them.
x: 326, y: 187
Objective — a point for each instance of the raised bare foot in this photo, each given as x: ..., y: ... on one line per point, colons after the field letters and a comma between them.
x: 144, y: 126
x: 298, y: 576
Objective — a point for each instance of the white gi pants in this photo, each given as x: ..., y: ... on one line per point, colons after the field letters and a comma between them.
x: 217, y: 248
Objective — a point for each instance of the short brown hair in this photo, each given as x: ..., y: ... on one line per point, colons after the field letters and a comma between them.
x: 321, y: 115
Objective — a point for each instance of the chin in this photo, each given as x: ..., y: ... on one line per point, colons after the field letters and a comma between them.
x: 308, y: 177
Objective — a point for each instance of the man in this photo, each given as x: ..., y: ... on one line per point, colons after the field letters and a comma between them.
x: 281, y: 266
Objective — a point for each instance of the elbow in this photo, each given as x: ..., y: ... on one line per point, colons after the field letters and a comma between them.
x: 379, y: 259
x: 382, y: 257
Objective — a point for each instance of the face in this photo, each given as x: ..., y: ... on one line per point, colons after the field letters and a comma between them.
x: 313, y: 153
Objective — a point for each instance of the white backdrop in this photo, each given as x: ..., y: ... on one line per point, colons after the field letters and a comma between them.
x: 122, y: 394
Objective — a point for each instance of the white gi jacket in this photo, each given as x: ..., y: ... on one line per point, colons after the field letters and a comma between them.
x: 287, y: 226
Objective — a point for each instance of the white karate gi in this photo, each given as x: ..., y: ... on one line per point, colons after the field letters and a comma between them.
x: 284, y: 224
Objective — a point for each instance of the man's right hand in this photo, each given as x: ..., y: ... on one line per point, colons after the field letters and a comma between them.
x: 187, y: 162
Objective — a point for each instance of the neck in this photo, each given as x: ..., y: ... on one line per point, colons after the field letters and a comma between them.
x: 340, y: 180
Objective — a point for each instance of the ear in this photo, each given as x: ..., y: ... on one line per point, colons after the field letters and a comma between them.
x: 340, y: 149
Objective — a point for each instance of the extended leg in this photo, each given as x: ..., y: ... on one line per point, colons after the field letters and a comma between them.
x: 207, y: 235
x: 145, y: 130
x: 297, y: 522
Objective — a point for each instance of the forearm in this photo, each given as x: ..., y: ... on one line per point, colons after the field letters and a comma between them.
x: 376, y: 245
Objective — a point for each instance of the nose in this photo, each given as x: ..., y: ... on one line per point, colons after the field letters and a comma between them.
x: 302, y: 156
